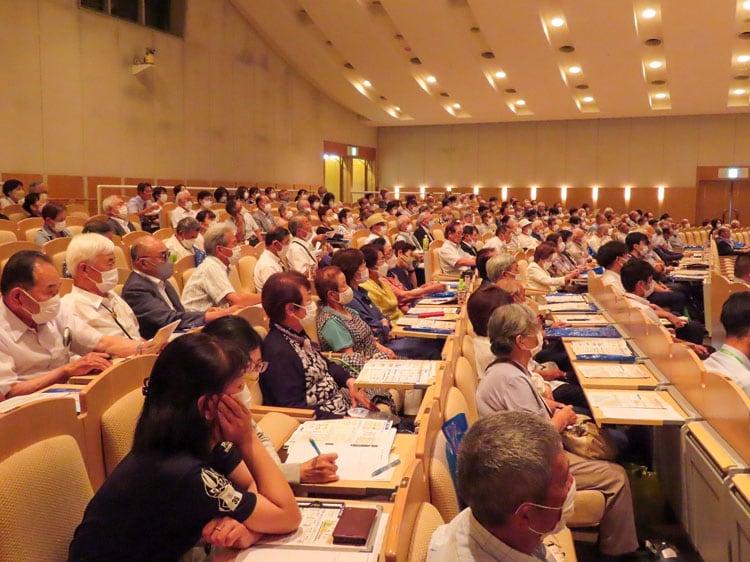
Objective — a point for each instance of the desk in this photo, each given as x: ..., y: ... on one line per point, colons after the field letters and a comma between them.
x: 573, y: 357
x: 310, y: 555
x: 399, y: 332
x: 405, y: 446
x: 648, y: 382
x: 639, y: 416
x: 439, y: 371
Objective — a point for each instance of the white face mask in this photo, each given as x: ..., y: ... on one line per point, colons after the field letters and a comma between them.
x: 350, y: 221
x: 163, y: 197
x: 649, y: 290
x: 188, y: 205
x: 644, y: 251
x: 546, y: 266
x: 346, y: 296
x: 561, y: 246
x: 539, y: 342
x: 363, y: 276
x: 272, y: 196
x: 188, y: 244
x: 392, y: 262
x: 316, y: 205
x: 236, y: 255
x: 383, y: 270
x: 207, y: 203
x: 566, y: 510
x: 60, y: 226
x: 48, y: 309
x: 288, y: 215
x: 108, y: 282
x: 267, y: 208
x: 311, y: 311
x: 244, y: 397
x: 122, y: 212
x: 284, y: 250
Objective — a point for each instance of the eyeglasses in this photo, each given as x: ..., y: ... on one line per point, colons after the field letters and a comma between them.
x: 257, y: 367
x: 163, y: 256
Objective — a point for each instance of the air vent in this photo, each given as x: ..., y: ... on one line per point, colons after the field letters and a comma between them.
x: 383, y: 98
x: 488, y: 55
x: 398, y: 37
x: 658, y: 82
x: 567, y: 49
x: 653, y: 42
x: 415, y: 60
x: 510, y: 91
x: 742, y: 77
x: 744, y: 35
x: 474, y: 29
x: 445, y: 94
x: 349, y: 65
x: 582, y: 86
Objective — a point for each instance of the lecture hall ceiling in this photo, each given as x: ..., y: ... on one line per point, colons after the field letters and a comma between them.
x: 423, y: 62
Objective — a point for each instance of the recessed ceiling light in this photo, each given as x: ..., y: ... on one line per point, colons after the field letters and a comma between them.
x: 746, y: 5
x: 520, y: 102
x: 500, y: 74
x: 456, y: 106
x: 738, y: 92
x: 649, y: 13
x: 431, y: 79
x: 557, y: 22
x: 397, y: 108
x: 587, y: 99
x: 743, y: 58
x: 574, y: 70
x: 367, y: 83
x: 655, y: 64
x: 660, y: 96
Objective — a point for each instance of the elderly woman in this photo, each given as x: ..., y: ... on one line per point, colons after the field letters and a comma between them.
x: 562, y: 263
x: 340, y: 328
x: 298, y: 376
x: 538, y: 274
x: 515, y: 336
x: 380, y: 291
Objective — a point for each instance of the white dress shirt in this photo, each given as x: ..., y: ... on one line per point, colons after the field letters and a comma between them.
x: 178, y: 214
x: 612, y: 279
x: 268, y: 264
x: 27, y: 353
x: 449, y: 254
x: 301, y: 255
x: 731, y: 362
x: 642, y: 304
x: 537, y: 278
x: 102, y: 313
x: 578, y: 252
x: 526, y: 241
x: 208, y: 286
x: 176, y: 248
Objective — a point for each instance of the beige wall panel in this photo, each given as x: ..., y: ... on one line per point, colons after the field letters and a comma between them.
x: 493, y: 154
x: 613, y: 152
x: 742, y: 146
x: 520, y: 153
x: 647, y: 152
x: 550, y: 157
x: 168, y: 106
x: 717, y: 136
x: 580, y: 149
x: 680, y: 150
x: 21, y: 95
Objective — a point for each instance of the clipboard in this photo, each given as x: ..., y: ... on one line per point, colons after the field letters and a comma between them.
x: 165, y: 332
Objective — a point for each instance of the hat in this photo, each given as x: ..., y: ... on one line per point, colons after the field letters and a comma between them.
x: 524, y: 222
x: 374, y: 219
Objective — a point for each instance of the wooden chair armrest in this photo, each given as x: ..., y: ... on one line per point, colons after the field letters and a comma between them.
x: 297, y: 413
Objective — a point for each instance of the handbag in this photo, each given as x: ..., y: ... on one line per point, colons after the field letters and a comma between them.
x: 587, y: 440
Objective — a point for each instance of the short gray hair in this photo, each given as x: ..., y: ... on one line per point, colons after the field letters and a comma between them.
x: 216, y: 235
x: 403, y: 219
x: 499, y: 264
x: 187, y: 225
x: 295, y: 224
x: 506, y: 323
x: 505, y: 460
x: 86, y: 247
x: 108, y: 202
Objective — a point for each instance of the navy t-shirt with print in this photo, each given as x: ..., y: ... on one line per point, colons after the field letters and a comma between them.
x: 154, y: 507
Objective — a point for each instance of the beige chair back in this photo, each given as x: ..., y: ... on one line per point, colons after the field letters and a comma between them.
x: 246, y: 272
x: 164, y: 233
x: 465, y: 380
x: 278, y: 427
x: 8, y: 235
x: 31, y: 222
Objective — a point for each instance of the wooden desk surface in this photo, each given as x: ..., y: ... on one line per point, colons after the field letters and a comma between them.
x: 439, y: 370
x: 643, y: 419
x: 649, y: 382
x: 742, y: 483
x: 405, y: 446
x: 715, y: 449
x: 230, y: 555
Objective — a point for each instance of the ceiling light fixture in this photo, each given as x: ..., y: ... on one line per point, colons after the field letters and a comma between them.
x: 557, y: 22
x: 655, y: 64
x: 746, y: 5
x: 738, y: 92
x: 521, y: 102
x: 397, y: 108
x: 660, y: 96
x: 648, y: 13
x: 574, y: 70
x: 367, y: 84
x: 500, y: 74
x: 456, y: 106
x: 587, y: 99
x: 743, y: 58
x: 431, y: 79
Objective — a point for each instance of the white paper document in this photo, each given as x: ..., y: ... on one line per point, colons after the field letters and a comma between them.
x: 581, y: 319
x: 600, y: 346
x: 557, y: 306
x: 613, y: 371
x: 632, y: 405
x: 384, y: 372
x: 446, y: 310
x: 427, y: 323
x: 572, y: 297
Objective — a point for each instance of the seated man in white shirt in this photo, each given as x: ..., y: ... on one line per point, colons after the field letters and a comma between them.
x: 612, y: 256
x: 184, y: 241
x: 525, y: 239
x: 272, y: 259
x: 184, y: 201
x: 91, y: 261
x: 302, y: 256
x: 732, y: 358
x: 453, y: 260
x: 502, y: 239
x: 501, y: 522
x: 599, y: 236
x: 577, y: 248
x: 39, y: 342
x: 209, y: 285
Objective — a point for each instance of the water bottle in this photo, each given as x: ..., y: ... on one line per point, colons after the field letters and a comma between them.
x: 461, y: 291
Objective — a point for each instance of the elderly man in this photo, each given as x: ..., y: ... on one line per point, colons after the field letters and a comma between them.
x: 453, y: 260
x: 424, y: 229
x: 152, y: 297
x: 376, y: 224
x: 502, y: 266
x: 54, y: 215
x: 184, y: 201
x: 577, y: 247
x: 302, y: 256
x: 271, y: 260
x: 184, y: 242
x: 145, y: 207
x: 599, y: 236
x: 263, y: 217
x: 91, y: 261
x: 525, y: 239
x: 209, y: 285
x: 117, y: 215
x: 38, y: 340
x: 504, y: 522
x: 732, y: 358
x: 725, y: 245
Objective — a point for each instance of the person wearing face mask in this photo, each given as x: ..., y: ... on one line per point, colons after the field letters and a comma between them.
x: 145, y: 207
x: 205, y: 200
x: 117, y: 215
x: 33, y: 205
x: 577, y: 249
x: 538, y: 273
x: 152, y: 297
x: 388, y: 274
x: 340, y: 328
x: 205, y: 219
x: 514, y: 334
x: 246, y: 229
x: 209, y: 285
x: 510, y: 523
x: 345, y: 228
x: 262, y: 216
x: 377, y: 225
x: 599, y: 236
x: 424, y: 228
x: 274, y: 256
x: 525, y: 240
x: 298, y: 376
x: 303, y: 256
x: 54, y: 215
x: 187, y: 241
x: 638, y: 281
x: 562, y: 263
x: 196, y: 466
x: 13, y: 193
x: 469, y: 238
x: 380, y: 292
x: 38, y: 338
x: 453, y: 260
x: 502, y: 266
x: 184, y: 201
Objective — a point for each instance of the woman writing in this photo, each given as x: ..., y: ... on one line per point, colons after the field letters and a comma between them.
x: 196, y: 468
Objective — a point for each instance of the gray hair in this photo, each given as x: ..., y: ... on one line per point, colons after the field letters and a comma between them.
x: 86, y: 247
x: 187, y: 225
x: 499, y: 264
x: 295, y: 224
x: 508, y: 322
x: 424, y: 215
x: 403, y: 219
x: 505, y: 460
x: 216, y: 235
x: 109, y: 202
x: 184, y: 194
